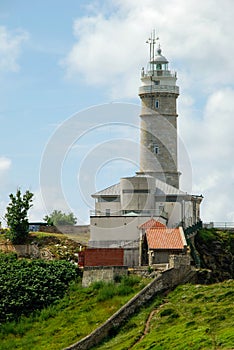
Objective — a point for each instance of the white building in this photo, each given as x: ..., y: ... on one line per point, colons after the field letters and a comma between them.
x: 154, y: 191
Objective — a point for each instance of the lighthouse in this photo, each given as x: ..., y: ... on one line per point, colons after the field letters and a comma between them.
x: 153, y: 192
x: 158, y: 93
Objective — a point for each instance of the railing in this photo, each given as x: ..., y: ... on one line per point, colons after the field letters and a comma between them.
x: 221, y: 225
x: 158, y: 73
x: 158, y: 88
x: 191, y: 230
x: 150, y: 213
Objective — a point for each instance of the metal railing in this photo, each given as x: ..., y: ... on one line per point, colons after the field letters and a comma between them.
x: 150, y: 213
x: 221, y: 225
x: 158, y: 73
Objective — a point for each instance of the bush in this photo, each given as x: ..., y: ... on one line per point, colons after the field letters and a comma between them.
x: 26, y: 285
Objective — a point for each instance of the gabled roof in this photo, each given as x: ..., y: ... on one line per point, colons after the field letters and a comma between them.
x: 161, y: 188
x: 152, y: 223
x: 165, y: 238
x: 113, y: 190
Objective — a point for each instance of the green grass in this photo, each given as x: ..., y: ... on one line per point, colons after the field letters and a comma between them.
x: 193, y: 317
x: 72, y: 318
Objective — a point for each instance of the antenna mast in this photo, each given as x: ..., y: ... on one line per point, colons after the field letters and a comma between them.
x: 152, y: 41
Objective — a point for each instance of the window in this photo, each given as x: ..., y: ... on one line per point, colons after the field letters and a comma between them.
x: 156, y: 82
x: 109, y: 199
x: 156, y: 103
x: 155, y: 148
x: 136, y: 191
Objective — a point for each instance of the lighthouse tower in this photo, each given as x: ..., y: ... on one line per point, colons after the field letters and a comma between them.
x: 153, y: 192
x: 158, y: 93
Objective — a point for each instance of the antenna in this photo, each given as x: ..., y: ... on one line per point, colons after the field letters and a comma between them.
x: 152, y: 41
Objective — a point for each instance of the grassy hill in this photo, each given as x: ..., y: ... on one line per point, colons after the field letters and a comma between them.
x: 191, y: 317
x: 71, y: 318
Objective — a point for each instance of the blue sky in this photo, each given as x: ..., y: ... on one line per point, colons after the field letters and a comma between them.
x: 59, y: 58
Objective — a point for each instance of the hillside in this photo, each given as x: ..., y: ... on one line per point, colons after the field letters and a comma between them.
x: 216, y: 251
x: 191, y: 317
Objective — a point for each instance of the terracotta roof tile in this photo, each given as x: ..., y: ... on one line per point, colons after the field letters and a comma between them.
x: 164, y: 238
x: 152, y: 223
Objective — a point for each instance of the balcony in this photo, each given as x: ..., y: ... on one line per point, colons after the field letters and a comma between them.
x: 158, y: 73
x: 158, y: 88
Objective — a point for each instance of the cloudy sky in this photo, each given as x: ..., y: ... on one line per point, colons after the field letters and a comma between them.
x: 63, y: 67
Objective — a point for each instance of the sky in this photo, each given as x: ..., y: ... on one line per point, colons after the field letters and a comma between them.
x: 69, y: 105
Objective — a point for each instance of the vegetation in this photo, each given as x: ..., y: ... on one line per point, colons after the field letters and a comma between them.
x: 26, y: 286
x: 16, y: 216
x: 191, y: 317
x: 216, y: 251
x: 57, y: 217
x: 71, y: 318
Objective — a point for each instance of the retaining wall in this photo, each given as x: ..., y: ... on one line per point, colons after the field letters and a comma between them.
x: 166, y: 281
x: 102, y: 273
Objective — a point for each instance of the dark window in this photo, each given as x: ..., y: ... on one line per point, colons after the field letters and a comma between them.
x: 136, y: 191
x: 157, y: 104
x: 155, y: 149
x: 109, y: 199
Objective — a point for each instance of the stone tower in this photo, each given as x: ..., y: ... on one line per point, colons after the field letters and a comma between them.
x: 158, y: 93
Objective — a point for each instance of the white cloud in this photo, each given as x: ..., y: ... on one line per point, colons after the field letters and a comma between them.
x: 10, y: 48
x: 110, y: 46
x: 5, y: 164
x: 197, y: 37
x: 210, y: 143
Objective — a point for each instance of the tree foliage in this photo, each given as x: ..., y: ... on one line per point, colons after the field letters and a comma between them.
x: 17, y: 216
x: 57, y: 217
x: 27, y: 285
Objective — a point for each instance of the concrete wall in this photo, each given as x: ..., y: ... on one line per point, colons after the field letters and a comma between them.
x: 166, y: 281
x: 108, y: 228
x: 102, y: 273
x: 79, y: 229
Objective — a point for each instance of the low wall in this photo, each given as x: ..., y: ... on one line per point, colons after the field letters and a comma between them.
x: 22, y: 250
x: 166, y: 281
x: 101, y: 273
x: 67, y: 229
x: 26, y: 251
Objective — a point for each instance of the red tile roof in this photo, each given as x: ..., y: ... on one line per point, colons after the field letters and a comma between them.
x: 152, y: 223
x: 164, y: 238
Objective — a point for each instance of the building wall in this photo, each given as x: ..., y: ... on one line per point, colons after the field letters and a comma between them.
x: 117, y: 228
x: 101, y: 208
x: 104, y: 257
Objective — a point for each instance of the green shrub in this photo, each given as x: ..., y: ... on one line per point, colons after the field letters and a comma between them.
x: 26, y: 286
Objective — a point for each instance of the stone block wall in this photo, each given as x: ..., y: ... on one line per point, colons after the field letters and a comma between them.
x: 102, y: 273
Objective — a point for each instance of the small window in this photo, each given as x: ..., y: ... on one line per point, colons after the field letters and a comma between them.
x: 156, y: 82
x: 155, y: 149
x: 156, y: 103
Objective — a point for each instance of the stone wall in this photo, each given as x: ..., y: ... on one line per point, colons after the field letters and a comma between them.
x: 22, y: 250
x: 102, y: 273
x: 166, y: 281
x: 26, y: 251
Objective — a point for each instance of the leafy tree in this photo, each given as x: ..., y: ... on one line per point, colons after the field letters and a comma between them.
x: 57, y: 217
x: 17, y: 216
